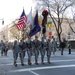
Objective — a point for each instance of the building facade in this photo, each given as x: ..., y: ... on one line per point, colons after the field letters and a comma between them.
x: 10, y: 32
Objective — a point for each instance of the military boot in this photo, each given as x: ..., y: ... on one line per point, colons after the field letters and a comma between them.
x: 29, y: 62
x: 22, y: 63
x: 49, y: 61
x: 36, y: 62
x: 15, y: 64
x: 42, y: 61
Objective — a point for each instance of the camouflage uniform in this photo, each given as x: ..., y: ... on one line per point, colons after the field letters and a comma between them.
x: 6, y: 48
x: 23, y: 47
x: 42, y: 50
x: 54, y: 45
x: 29, y: 50
x: 48, y: 45
x: 17, y: 51
x: 36, y: 49
x: 2, y: 44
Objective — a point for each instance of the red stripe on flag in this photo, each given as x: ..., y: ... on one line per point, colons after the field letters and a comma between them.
x: 22, y: 23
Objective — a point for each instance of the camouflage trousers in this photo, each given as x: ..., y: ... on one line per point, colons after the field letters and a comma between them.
x: 15, y: 55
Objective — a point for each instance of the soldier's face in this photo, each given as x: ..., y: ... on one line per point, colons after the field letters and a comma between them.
x: 36, y: 38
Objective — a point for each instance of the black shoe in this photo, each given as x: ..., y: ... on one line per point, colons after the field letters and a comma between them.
x: 42, y: 62
x: 36, y: 63
x: 30, y: 64
x: 49, y: 62
x: 61, y: 54
x: 15, y: 65
x: 22, y: 64
x: 69, y: 53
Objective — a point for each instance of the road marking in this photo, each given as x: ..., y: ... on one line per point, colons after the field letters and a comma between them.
x: 33, y: 72
x: 63, y: 60
x: 41, y: 68
x: 39, y: 62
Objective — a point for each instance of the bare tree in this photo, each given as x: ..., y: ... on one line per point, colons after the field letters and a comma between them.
x: 71, y: 21
x: 56, y: 9
x: 71, y: 24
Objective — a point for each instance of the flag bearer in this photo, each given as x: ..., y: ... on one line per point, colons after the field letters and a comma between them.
x: 42, y: 50
x: 36, y: 49
x: 48, y: 45
x: 17, y: 51
x: 29, y: 50
x: 22, y: 45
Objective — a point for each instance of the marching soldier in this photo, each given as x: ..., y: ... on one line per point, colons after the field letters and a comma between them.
x: 23, y: 47
x: 17, y: 51
x: 48, y: 45
x: 29, y: 50
x: 54, y: 45
x: 36, y: 49
x: 42, y: 50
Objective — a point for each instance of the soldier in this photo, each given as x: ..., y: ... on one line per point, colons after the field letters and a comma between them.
x: 6, y: 48
x: 54, y: 45
x: 23, y: 47
x: 62, y: 46
x: 48, y: 45
x: 29, y: 50
x: 69, y: 47
x: 36, y: 49
x: 2, y: 48
x: 42, y: 50
x: 17, y: 50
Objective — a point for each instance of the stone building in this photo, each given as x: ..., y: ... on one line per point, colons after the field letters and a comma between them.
x: 10, y: 32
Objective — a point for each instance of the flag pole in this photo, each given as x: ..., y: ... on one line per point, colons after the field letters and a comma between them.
x: 30, y: 26
x: 23, y: 29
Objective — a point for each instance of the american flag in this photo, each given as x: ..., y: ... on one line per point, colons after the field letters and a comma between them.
x: 22, y: 21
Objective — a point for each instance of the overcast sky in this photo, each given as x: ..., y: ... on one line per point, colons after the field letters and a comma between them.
x: 12, y: 9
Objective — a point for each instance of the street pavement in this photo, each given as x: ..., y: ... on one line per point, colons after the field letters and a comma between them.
x: 60, y: 65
